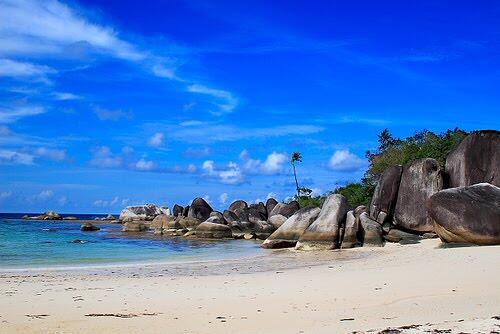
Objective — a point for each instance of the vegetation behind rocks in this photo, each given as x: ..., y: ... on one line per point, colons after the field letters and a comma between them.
x: 393, y: 151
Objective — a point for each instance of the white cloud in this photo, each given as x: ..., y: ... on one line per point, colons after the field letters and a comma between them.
x: 15, y: 158
x: 191, y: 168
x: 145, y: 165
x: 11, y: 114
x: 204, y: 133
x: 271, y: 195
x: 156, y: 140
x: 32, y: 27
x: 231, y: 174
x: 104, y: 158
x: 274, y: 163
x: 345, y: 161
x: 223, y: 198
x: 111, y: 115
x: 115, y: 202
x: 52, y: 154
x: 16, y: 69
x: 226, y: 101
x: 61, y: 96
x: 44, y: 195
x: 5, y: 194
x: 62, y: 200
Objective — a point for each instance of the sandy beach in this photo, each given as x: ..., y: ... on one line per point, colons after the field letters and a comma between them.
x: 419, y: 288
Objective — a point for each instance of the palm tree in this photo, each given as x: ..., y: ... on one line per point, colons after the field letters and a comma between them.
x: 296, y: 157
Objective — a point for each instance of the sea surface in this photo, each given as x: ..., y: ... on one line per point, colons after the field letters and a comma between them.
x: 49, y: 244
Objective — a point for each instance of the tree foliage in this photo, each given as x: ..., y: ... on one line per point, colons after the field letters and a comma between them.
x: 395, y: 151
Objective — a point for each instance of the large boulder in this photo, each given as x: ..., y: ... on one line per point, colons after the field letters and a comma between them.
x: 142, y: 212
x: 396, y: 235
x: 289, y: 233
x: 88, y: 226
x: 199, y: 209
x: 217, y: 218
x: 350, y: 239
x: 213, y: 231
x: 134, y: 226
x: 260, y: 207
x: 385, y: 194
x: 475, y: 160
x: 188, y: 222
x: 230, y: 217
x: 285, y: 209
x: 255, y: 214
x: 185, y: 212
x: 160, y: 223
x: 277, y: 220
x: 238, y: 205
x: 370, y: 231
x: 270, y: 204
x: 323, y: 233
x: 420, y: 180
x: 467, y: 214
x: 177, y: 210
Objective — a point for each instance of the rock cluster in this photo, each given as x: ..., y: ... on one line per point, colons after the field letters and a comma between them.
x: 49, y: 215
x: 142, y: 212
x: 460, y: 203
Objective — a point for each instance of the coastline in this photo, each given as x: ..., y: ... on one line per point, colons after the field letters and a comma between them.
x: 361, y: 289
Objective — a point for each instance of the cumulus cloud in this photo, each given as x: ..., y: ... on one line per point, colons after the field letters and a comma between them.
x: 274, y: 163
x: 157, y: 139
x: 345, y: 161
x: 230, y: 174
x: 145, y: 165
x: 44, y: 195
x: 104, y: 158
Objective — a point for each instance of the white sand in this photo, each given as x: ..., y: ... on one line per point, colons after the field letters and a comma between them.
x: 286, y: 292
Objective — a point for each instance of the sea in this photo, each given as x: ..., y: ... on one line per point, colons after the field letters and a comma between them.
x: 32, y: 244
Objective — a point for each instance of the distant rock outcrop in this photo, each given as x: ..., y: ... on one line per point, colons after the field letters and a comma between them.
x: 420, y: 180
x: 467, y: 214
x: 177, y: 210
x: 323, y: 233
x: 475, y: 160
x: 87, y: 226
x: 145, y: 212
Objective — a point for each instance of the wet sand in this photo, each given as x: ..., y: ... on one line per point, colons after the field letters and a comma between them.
x: 418, y: 288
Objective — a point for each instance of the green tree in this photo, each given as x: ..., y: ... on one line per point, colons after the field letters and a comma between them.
x: 296, y: 157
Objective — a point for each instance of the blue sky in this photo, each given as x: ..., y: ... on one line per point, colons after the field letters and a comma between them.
x: 109, y: 103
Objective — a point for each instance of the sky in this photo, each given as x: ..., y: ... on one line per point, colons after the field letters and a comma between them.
x: 105, y: 104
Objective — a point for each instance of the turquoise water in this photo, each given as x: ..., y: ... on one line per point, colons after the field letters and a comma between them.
x: 29, y: 244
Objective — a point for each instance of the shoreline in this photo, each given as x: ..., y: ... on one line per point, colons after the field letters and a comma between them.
x: 421, y: 286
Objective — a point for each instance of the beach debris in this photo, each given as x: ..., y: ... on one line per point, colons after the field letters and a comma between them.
x: 37, y: 316
x: 121, y: 315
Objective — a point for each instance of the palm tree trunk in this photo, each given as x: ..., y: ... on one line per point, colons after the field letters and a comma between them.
x: 296, y: 182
